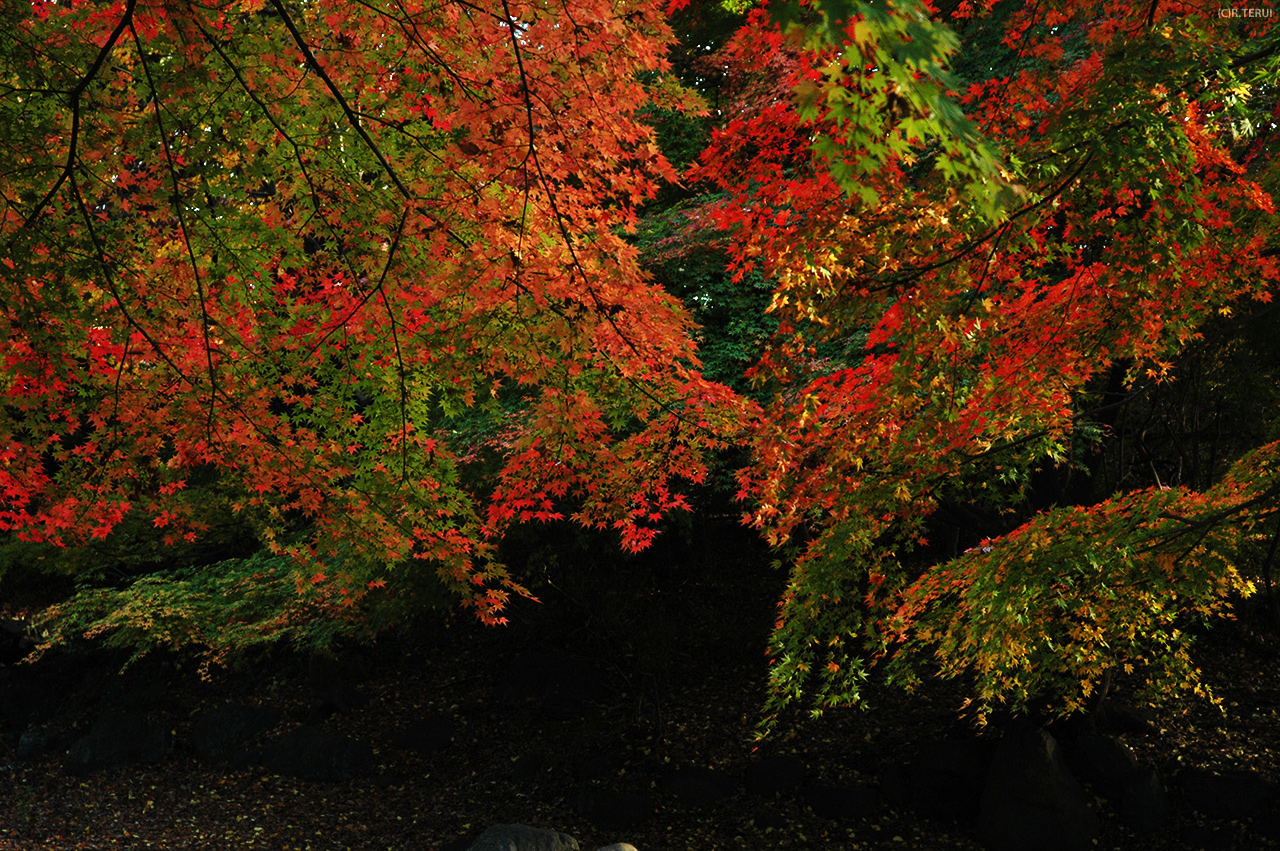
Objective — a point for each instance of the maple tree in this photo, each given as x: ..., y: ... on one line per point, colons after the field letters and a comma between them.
x: 954, y: 290
x: 359, y: 274
x: 266, y: 254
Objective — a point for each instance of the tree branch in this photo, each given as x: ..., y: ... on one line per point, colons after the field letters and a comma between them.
x: 126, y: 21
x: 352, y: 119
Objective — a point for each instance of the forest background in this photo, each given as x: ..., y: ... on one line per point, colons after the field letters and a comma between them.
x: 317, y: 314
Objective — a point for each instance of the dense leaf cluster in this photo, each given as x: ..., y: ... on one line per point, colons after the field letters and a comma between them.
x: 952, y: 288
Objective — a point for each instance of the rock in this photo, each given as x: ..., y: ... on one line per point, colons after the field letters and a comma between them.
x: 612, y: 810
x: 698, y: 787
x: 773, y: 775
x: 137, y: 689
x: 1031, y: 802
x: 15, y: 644
x: 1108, y: 765
x: 329, y: 688
x: 842, y: 802
x: 1103, y: 762
x: 25, y: 704
x: 1128, y: 720
x: 222, y: 734
x: 1229, y: 794
x: 618, y: 846
x: 943, y: 781
x: 427, y: 735
x: 35, y: 742
x: 1144, y: 806
x: 522, y: 837
x: 116, y: 739
x: 310, y: 753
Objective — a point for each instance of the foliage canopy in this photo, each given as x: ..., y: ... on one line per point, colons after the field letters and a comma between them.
x: 361, y: 275
x: 282, y: 248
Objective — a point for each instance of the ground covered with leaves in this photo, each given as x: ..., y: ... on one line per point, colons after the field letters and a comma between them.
x: 679, y: 640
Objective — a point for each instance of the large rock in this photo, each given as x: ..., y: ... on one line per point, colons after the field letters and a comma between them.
x: 1109, y: 766
x: 23, y: 704
x: 223, y: 734
x: 116, y: 739
x: 522, y: 837
x: 15, y: 644
x: 1229, y: 794
x: 330, y: 687
x: 35, y: 742
x: 310, y: 753
x: 1144, y: 804
x: 1031, y: 802
x: 1103, y: 762
x: 943, y: 781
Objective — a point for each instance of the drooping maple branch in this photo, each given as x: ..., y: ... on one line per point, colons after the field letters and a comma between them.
x: 1267, y: 564
x: 917, y: 272
x: 303, y: 472
x: 1206, y: 524
x: 566, y: 238
x: 353, y: 120
x: 426, y: 46
x: 1262, y: 53
x: 263, y: 109
x: 179, y: 211
x: 563, y: 228
x: 113, y: 288
x: 109, y: 279
x: 380, y: 288
x: 126, y: 21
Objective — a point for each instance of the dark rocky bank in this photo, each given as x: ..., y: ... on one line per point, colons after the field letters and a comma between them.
x: 619, y: 710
